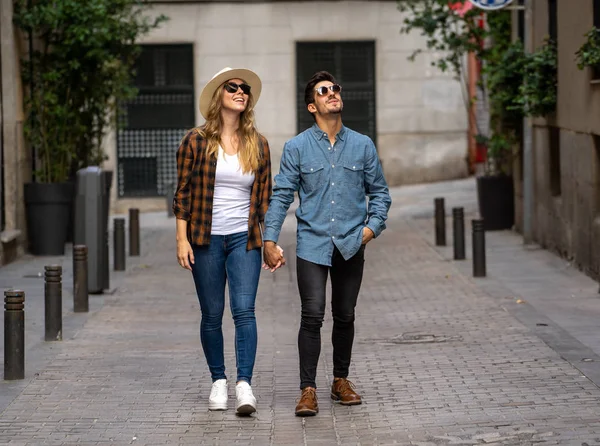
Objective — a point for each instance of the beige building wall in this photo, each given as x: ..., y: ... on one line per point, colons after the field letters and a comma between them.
x: 421, y: 117
x: 569, y: 222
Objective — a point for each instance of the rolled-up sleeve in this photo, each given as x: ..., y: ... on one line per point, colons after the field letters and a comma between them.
x: 185, y: 165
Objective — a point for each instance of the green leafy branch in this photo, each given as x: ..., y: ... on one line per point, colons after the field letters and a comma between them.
x: 80, y: 68
x: 588, y: 55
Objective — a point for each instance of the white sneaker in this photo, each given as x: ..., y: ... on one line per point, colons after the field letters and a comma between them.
x: 218, y: 395
x: 246, y: 403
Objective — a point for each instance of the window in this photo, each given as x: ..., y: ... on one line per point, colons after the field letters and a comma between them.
x: 353, y: 66
x: 554, y: 160
x: 152, y: 124
x: 552, y: 20
x: 596, y: 13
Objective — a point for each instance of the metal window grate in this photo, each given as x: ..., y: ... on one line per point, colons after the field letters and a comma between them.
x: 147, y: 163
x: 353, y: 66
x: 152, y: 124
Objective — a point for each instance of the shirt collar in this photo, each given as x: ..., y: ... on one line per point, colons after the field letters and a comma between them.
x: 321, y: 134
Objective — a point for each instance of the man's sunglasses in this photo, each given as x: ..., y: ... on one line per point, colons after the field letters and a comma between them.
x: 232, y: 87
x: 322, y: 91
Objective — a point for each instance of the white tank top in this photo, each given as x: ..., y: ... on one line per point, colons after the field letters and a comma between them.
x: 231, y: 199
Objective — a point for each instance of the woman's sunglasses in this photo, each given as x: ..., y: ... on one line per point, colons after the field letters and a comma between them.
x: 232, y: 87
x: 322, y: 91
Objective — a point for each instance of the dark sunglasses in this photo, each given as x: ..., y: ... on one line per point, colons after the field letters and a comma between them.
x: 322, y: 91
x: 232, y: 87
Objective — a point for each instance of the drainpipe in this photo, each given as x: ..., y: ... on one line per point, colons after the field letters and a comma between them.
x: 528, y: 175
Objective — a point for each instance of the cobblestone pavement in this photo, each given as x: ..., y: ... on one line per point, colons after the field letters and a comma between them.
x: 440, y: 358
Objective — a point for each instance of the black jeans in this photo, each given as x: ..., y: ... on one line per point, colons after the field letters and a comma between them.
x: 346, y: 277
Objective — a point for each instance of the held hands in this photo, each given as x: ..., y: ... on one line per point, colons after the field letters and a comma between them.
x: 185, y: 254
x: 273, y: 256
x: 367, y: 235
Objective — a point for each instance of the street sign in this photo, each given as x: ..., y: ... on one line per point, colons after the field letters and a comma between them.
x: 491, y: 4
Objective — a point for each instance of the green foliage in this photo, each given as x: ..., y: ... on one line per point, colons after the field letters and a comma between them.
x: 502, y: 72
x: 80, y: 68
x: 504, y: 79
x: 589, y: 53
x: 501, y: 151
x: 538, y: 90
x: 444, y: 31
x: 481, y: 139
x: 517, y: 84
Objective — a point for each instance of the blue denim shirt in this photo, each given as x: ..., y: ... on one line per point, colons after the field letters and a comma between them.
x: 332, y: 185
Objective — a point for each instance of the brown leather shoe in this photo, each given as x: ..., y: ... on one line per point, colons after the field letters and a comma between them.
x: 308, y: 405
x: 342, y: 390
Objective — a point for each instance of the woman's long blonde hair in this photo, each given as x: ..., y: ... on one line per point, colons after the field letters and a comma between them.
x: 249, y: 152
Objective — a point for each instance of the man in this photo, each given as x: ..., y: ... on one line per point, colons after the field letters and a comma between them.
x: 333, y: 169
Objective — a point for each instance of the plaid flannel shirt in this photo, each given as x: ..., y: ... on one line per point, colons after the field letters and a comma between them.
x: 193, y: 200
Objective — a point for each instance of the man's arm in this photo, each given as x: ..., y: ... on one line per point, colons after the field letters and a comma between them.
x: 286, y: 184
x: 377, y: 190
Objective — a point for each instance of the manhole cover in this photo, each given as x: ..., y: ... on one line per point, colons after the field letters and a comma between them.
x: 422, y: 338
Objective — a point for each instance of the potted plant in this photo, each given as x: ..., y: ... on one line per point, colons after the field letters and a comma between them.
x: 588, y: 55
x: 495, y: 193
x: 503, y: 73
x: 74, y: 76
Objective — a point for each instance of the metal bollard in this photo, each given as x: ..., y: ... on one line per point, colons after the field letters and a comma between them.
x: 80, y: 279
x: 458, y: 231
x: 478, y: 248
x: 14, y: 334
x: 440, y: 222
x: 134, y: 232
x: 53, y: 302
x: 119, y: 244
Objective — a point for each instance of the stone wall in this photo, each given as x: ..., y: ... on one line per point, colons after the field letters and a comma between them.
x: 569, y: 222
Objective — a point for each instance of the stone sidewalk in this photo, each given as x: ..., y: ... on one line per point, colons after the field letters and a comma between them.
x: 440, y: 358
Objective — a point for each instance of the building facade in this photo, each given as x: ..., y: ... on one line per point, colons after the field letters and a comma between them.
x: 415, y: 114
x: 566, y: 145
x: 15, y: 167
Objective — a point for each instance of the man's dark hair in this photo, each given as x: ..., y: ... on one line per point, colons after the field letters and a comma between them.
x: 309, y: 91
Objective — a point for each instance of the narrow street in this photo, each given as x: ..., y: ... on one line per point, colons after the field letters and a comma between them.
x: 439, y: 357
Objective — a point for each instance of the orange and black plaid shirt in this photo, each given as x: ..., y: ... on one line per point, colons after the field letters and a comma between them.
x: 193, y: 200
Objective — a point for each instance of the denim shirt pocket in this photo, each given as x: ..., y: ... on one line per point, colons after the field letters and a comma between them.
x: 312, y: 176
x: 354, y: 174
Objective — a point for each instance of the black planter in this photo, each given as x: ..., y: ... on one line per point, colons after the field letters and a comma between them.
x: 48, y: 208
x: 496, y: 202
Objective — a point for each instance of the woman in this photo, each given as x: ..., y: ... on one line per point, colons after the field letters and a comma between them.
x: 224, y: 185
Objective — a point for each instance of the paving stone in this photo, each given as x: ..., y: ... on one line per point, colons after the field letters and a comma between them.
x: 437, y: 358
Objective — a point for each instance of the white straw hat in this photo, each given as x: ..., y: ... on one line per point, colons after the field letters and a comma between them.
x: 250, y: 77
